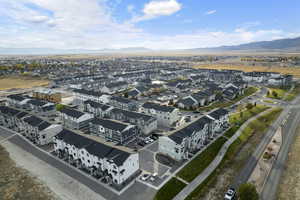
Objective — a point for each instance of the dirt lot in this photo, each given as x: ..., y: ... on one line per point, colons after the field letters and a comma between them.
x: 289, y: 187
x: 17, y: 184
x: 7, y: 83
x: 284, y: 70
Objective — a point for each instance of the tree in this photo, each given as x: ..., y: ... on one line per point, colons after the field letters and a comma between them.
x: 241, y: 114
x: 268, y: 93
x: 247, y: 191
x: 274, y: 94
x: 126, y: 95
x: 59, y: 107
x: 249, y: 106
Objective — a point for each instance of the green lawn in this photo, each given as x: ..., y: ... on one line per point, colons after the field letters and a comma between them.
x: 280, y: 93
x: 199, y: 163
x: 257, y: 126
x: 240, y: 117
x: 170, y: 189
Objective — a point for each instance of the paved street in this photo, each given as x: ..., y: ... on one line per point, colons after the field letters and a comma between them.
x: 289, y: 130
x: 215, y: 163
x: 130, y: 193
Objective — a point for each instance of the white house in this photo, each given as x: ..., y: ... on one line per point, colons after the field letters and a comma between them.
x: 75, y: 119
x: 100, y: 159
x: 112, y: 130
x: 179, y: 144
x: 81, y: 95
x: 145, y: 123
x: 166, y: 115
x: 220, y: 119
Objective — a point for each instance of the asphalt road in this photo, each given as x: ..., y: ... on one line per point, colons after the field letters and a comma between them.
x: 289, y: 131
x: 290, y: 114
x: 130, y: 193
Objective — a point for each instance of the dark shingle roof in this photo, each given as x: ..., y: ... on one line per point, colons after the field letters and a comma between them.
x: 33, y: 120
x: 150, y: 105
x: 218, y: 113
x: 16, y: 97
x: 110, y: 124
x: 93, y: 147
x: 97, y: 105
x: 9, y: 111
x: 71, y: 112
x: 187, y: 131
x: 130, y: 114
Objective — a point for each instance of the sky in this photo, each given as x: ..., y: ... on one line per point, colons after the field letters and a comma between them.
x: 154, y: 24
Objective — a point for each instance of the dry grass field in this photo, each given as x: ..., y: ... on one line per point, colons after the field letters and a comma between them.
x: 17, y: 184
x: 283, y: 70
x: 289, y: 187
x: 7, y: 83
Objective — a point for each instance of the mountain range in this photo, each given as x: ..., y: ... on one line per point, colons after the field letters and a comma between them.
x: 281, y: 45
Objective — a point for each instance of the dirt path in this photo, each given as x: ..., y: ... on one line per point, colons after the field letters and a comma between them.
x: 17, y: 183
x: 289, y: 187
x: 63, y: 186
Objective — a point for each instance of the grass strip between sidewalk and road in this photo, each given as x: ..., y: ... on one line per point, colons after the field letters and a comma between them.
x: 259, y: 125
x: 170, y: 189
x: 202, y: 161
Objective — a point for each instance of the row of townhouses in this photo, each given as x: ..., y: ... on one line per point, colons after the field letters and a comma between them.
x: 34, y: 128
x: 184, y: 142
x: 32, y: 104
x: 100, y: 159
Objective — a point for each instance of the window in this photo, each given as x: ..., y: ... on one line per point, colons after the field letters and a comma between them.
x: 43, y: 136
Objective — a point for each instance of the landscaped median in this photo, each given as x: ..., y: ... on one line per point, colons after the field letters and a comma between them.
x: 205, y: 158
x: 259, y: 125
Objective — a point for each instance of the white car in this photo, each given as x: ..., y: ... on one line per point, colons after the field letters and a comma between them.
x: 145, y: 177
x: 230, y: 194
x: 153, y: 177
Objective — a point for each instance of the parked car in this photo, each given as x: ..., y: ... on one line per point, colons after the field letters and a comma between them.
x: 153, y: 177
x: 230, y: 194
x: 145, y: 177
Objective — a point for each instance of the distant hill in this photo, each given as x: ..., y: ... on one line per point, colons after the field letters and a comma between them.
x: 287, y: 45
x: 282, y: 45
x: 45, y: 51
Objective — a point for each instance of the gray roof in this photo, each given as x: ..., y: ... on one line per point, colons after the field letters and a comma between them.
x: 150, y: 105
x: 187, y: 131
x: 110, y: 124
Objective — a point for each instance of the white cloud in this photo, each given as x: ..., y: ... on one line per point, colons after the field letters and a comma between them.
x: 210, y: 12
x: 157, y: 8
x: 75, y: 24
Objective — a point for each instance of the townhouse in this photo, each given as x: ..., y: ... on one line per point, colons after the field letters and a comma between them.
x: 123, y: 103
x: 180, y: 144
x: 220, y: 119
x: 137, y: 92
x: 112, y: 130
x: 75, y: 119
x: 40, y: 106
x: 81, y: 95
x: 17, y: 100
x: 47, y: 95
x: 39, y: 131
x: 97, y: 109
x: 8, y: 117
x: 100, y: 160
x: 166, y: 116
x: 145, y: 123
x: 114, y: 87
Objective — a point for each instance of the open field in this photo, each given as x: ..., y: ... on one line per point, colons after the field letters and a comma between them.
x: 16, y: 183
x: 283, y: 70
x: 170, y: 189
x: 280, y: 93
x: 289, y: 187
x: 7, y: 83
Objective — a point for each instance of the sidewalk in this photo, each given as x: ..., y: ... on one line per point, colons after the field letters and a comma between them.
x: 215, y: 163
